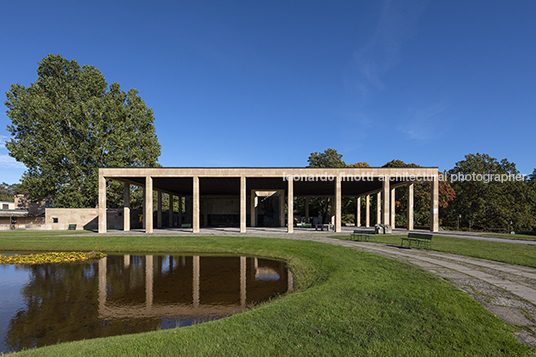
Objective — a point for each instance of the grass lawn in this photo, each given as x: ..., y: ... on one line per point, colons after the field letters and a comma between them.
x: 518, y: 254
x: 345, y: 303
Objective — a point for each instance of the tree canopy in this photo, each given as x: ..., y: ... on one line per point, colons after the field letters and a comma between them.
x: 68, y: 124
x: 328, y: 159
x: 489, y: 203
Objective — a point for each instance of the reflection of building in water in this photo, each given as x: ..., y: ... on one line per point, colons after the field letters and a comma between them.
x: 187, y: 286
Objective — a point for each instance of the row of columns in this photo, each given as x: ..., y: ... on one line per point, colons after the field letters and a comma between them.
x: 385, y: 206
x: 149, y: 282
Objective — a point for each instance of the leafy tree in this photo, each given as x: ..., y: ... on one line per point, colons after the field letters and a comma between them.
x: 488, y: 203
x: 330, y: 158
x: 68, y: 124
x: 7, y: 192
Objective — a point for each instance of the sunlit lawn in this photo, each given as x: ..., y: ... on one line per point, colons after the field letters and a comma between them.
x: 346, y: 303
x: 511, y: 253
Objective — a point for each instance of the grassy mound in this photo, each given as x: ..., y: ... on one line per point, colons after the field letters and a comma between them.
x: 346, y: 303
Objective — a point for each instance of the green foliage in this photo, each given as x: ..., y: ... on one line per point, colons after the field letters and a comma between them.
x: 492, y: 204
x: 69, y: 123
x: 329, y: 158
x: 7, y: 192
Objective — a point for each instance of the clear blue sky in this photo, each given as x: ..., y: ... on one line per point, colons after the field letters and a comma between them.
x: 265, y: 83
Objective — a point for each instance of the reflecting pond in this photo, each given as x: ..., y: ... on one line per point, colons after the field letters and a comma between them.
x: 122, y: 294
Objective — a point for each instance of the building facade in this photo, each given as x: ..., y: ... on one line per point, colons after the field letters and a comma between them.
x: 245, y: 188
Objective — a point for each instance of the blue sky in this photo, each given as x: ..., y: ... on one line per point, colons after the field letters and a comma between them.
x: 265, y: 83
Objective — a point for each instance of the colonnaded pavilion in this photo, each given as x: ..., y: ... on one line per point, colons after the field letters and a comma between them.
x: 236, y: 196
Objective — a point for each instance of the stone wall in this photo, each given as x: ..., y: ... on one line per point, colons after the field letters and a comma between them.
x: 84, y: 218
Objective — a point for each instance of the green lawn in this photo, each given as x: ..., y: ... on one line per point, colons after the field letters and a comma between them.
x: 346, y: 303
x: 519, y: 254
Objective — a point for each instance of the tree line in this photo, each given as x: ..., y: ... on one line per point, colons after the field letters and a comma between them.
x: 480, y: 203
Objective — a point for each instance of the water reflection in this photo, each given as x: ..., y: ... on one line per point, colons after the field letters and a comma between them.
x: 130, y: 294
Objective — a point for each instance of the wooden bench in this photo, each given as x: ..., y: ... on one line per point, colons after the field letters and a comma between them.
x: 366, y: 235
x: 186, y: 225
x: 72, y: 227
x: 421, y: 239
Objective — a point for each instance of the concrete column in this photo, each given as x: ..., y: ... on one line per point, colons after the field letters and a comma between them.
x: 379, y: 208
x: 253, y: 209
x: 243, y: 281
x: 358, y: 213
x: 410, y: 207
x: 367, y: 212
x: 170, y: 210
x: 434, y: 204
x: 102, y: 205
x: 386, y: 216
x: 196, y: 272
x: 148, y: 282
x: 306, y: 209
x: 392, y: 208
x: 282, y: 208
x: 242, y: 204
x: 158, y: 209
x: 148, y: 219
x: 126, y: 205
x: 195, y: 204
x: 290, y: 207
x: 338, y: 200
x: 179, y: 223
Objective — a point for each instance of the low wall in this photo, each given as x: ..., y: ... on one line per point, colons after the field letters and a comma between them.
x: 84, y: 218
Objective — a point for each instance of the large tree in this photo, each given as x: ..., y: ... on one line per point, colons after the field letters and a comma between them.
x: 68, y: 124
x: 328, y: 159
x: 483, y: 201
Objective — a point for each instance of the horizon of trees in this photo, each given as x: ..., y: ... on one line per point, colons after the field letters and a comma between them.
x: 494, y: 205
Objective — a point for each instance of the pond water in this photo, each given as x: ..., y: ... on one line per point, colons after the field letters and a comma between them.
x: 121, y: 294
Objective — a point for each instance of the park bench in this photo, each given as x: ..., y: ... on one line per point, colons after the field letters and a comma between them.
x: 186, y: 225
x: 420, y: 239
x: 72, y: 227
x: 366, y: 235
